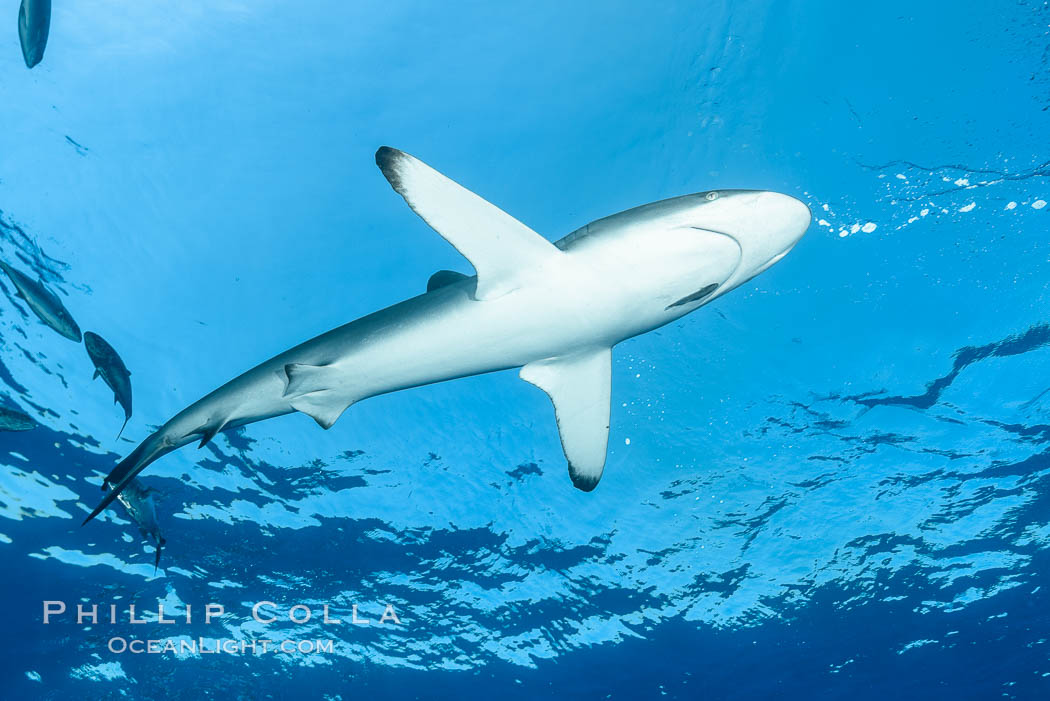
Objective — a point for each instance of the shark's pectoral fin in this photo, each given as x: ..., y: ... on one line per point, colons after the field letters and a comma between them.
x: 501, y: 248
x: 579, y: 388
x: 324, y: 406
x: 443, y: 278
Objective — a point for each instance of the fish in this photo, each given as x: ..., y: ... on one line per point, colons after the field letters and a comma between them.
x: 44, y: 303
x: 554, y: 310
x: 112, y: 370
x: 138, y: 501
x: 14, y: 420
x: 34, y: 23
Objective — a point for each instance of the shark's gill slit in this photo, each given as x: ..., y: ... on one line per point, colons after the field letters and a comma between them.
x: 696, y: 296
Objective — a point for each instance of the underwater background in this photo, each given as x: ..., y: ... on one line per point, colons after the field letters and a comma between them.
x: 832, y: 482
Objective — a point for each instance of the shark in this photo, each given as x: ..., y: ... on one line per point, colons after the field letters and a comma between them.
x: 34, y: 23
x: 553, y: 309
x: 112, y: 370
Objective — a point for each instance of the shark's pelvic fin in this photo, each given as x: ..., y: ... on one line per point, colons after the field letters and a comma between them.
x: 312, y: 391
x: 579, y: 388
x: 324, y: 406
x: 95, y: 376
x: 443, y: 278
x: 501, y: 248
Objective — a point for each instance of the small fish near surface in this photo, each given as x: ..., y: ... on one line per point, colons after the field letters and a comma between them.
x: 44, y: 303
x: 112, y: 370
x: 34, y: 23
x: 14, y: 420
x: 138, y: 500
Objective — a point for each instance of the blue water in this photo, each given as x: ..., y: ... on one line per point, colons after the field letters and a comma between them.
x: 830, y: 483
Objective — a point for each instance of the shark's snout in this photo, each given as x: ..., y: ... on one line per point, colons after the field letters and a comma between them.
x: 765, y: 224
x: 789, y: 218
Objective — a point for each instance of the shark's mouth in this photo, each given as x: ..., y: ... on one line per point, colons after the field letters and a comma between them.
x: 695, y: 297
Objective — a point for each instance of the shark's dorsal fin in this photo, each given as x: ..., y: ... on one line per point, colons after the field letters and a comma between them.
x: 501, y: 248
x: 443, y: 278
x: 579, y: 388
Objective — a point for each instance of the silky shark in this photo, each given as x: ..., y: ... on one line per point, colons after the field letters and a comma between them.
x: 555, y: 310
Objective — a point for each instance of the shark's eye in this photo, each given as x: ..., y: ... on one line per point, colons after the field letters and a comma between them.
x: 711, y: 196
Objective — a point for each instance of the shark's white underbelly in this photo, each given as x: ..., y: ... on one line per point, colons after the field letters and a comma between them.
x: 446, y: 334
x: 442, y: 335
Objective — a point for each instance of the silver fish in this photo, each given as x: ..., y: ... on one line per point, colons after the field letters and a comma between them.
x: 34, y: 23
x: 14, y: 420
x: 112, y: 370
x: 44, y: 303
x: 138, y: 501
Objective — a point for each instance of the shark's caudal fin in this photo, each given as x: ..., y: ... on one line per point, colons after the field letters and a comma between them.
x: 127, y: 417
x: 502, y: 250
x: 579, y: 387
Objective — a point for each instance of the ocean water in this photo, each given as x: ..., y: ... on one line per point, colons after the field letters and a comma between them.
x: 833, y: 482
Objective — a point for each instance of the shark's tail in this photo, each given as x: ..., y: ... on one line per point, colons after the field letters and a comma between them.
x: 121, y: 475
